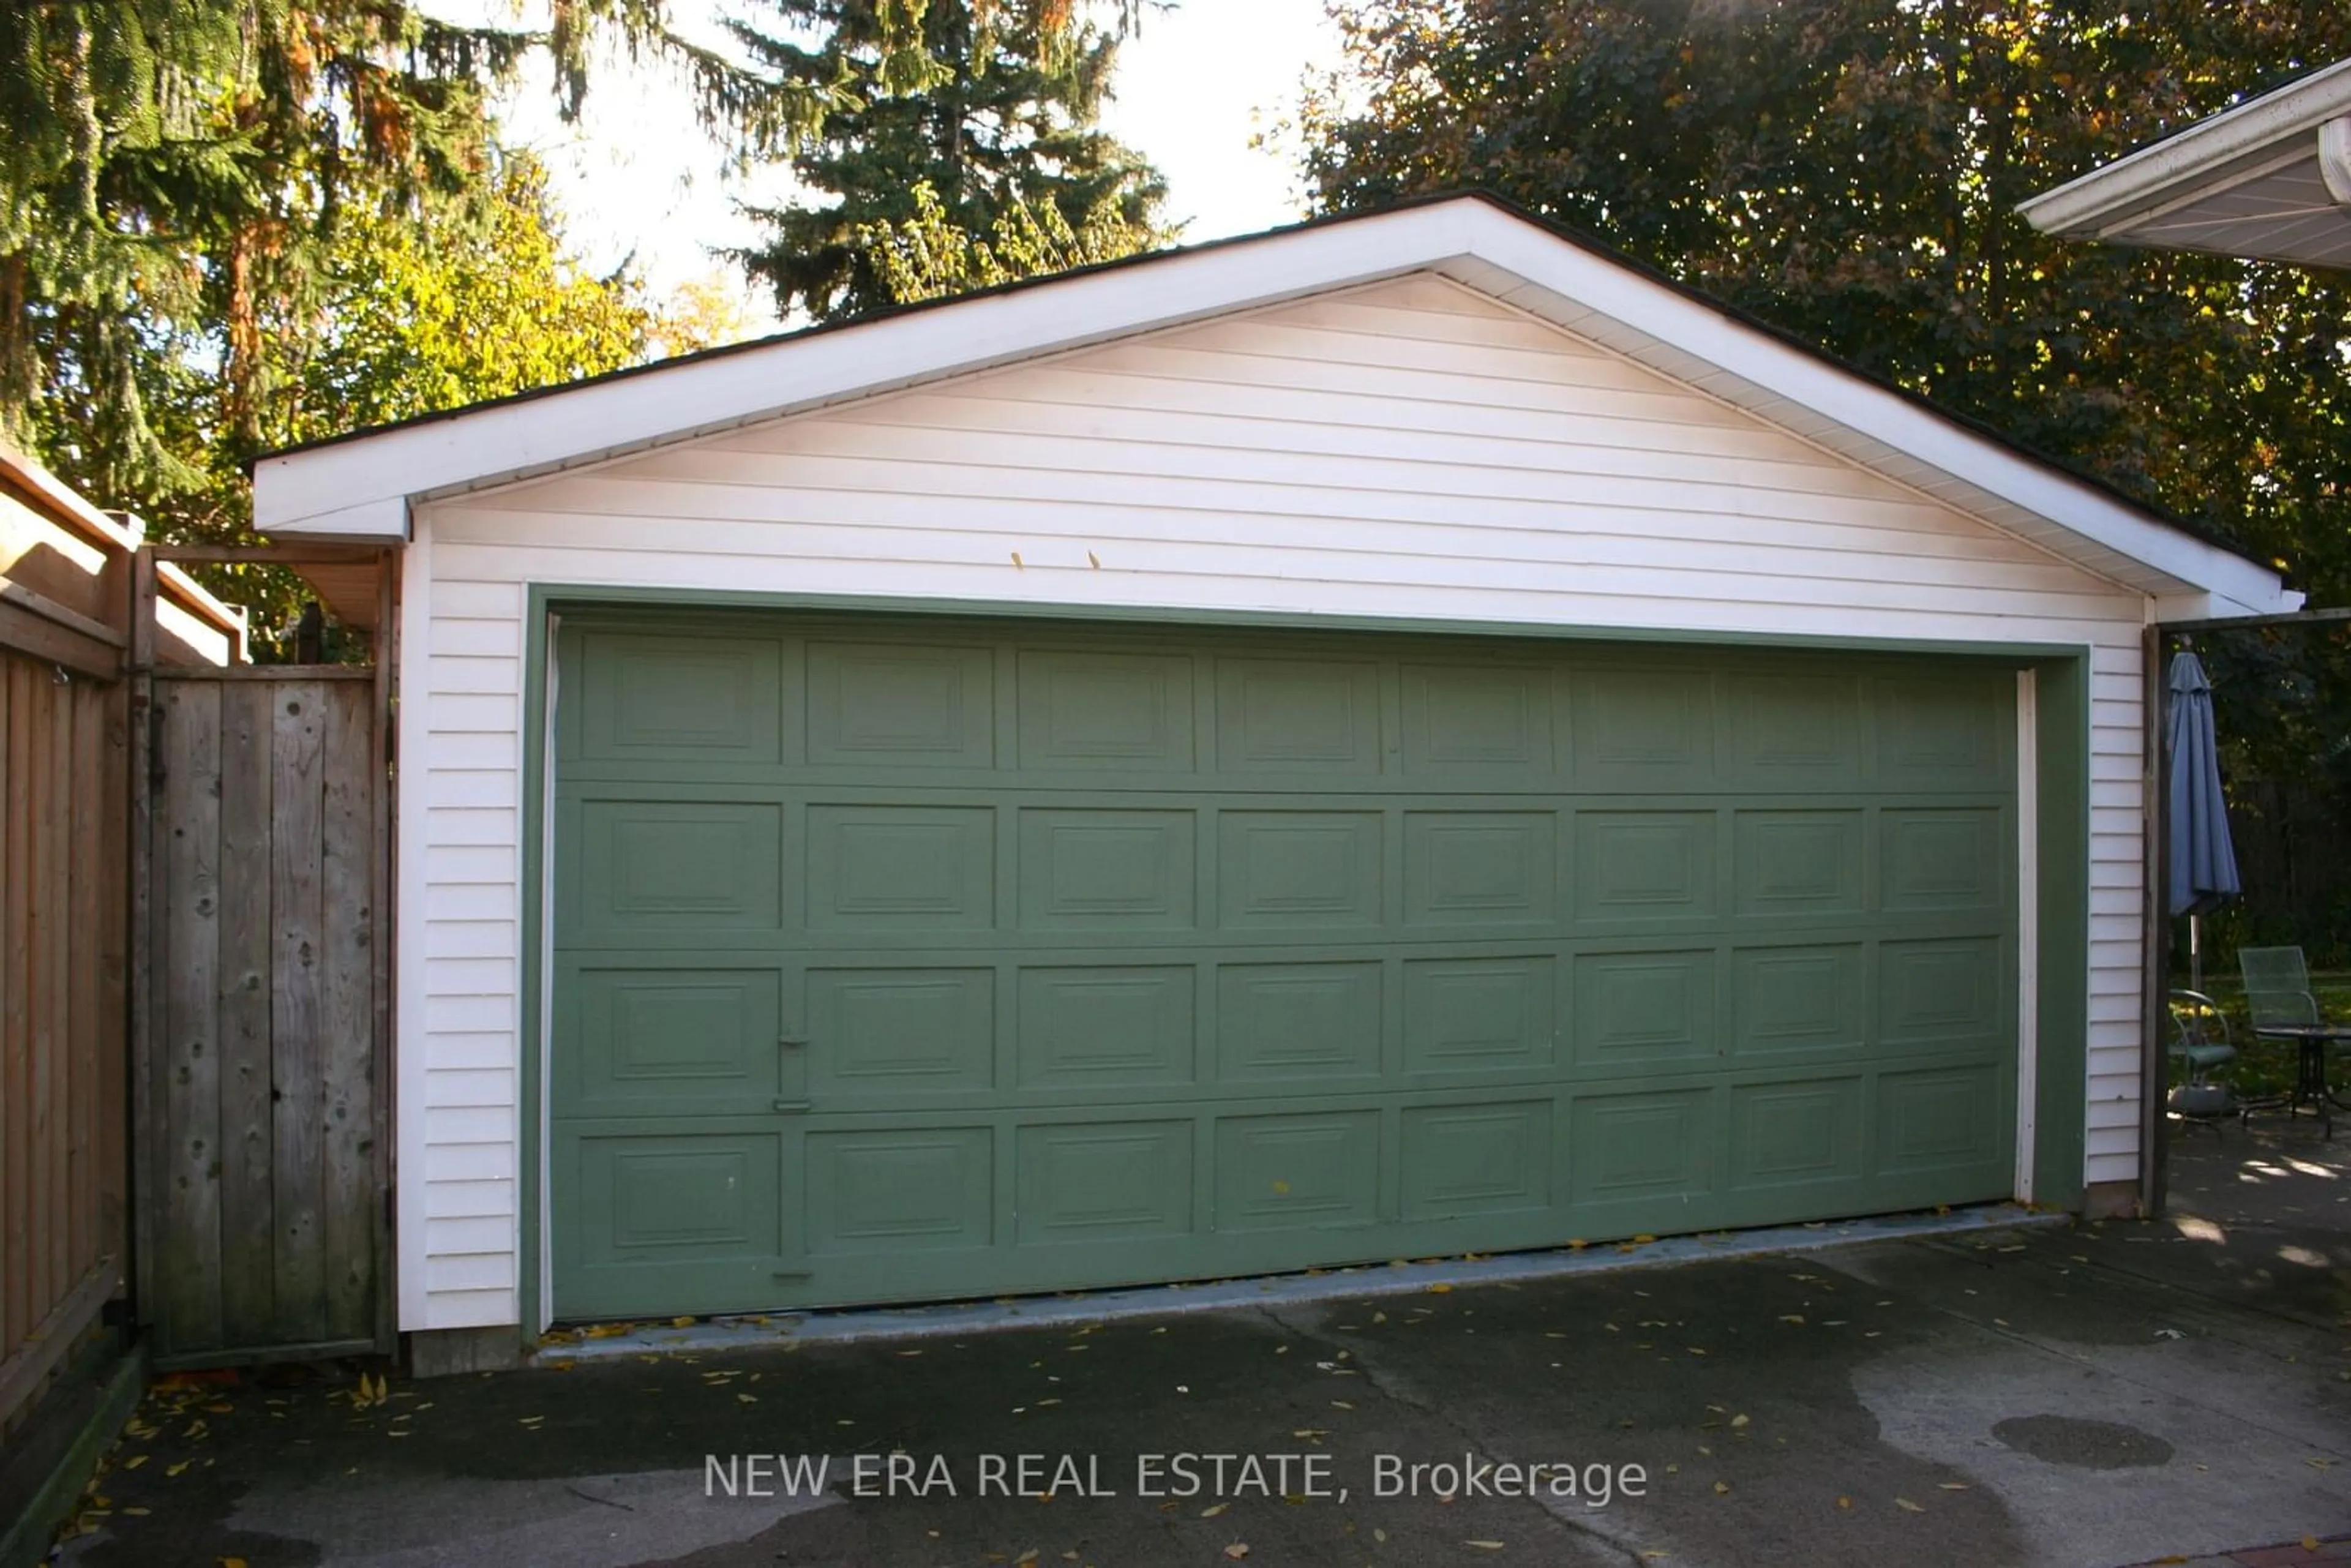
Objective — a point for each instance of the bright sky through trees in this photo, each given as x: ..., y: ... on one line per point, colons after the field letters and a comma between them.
x: 637, y: 176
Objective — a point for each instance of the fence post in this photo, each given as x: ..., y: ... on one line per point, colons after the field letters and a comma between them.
x: 145, y: 1156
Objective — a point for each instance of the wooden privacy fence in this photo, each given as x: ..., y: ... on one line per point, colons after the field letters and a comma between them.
x: 63, y: 1178
x: 67, y: 571
x: 262, y: 812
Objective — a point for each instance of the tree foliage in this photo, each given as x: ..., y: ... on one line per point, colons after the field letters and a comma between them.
x: 406, y: 320
x: 928, y: 256
x: 193, y: 194
x: 1849, y: 170
x: 998, y: 115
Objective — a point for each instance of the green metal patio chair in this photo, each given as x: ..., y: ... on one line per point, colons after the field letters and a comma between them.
x: 2277, y: 991
x: 2201, y: 1041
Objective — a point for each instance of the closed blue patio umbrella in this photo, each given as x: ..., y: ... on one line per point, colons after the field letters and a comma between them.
x: 2203, y: 864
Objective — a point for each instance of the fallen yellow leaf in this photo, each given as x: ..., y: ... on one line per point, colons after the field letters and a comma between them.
x: 1845, y: 1502
x: 1484, y: 1545
x: 1908, y: 1506
x: 1722, y: 1488
x: 1440, y: 1290
x: 1211, y: 1512
x: 1236, y: 1551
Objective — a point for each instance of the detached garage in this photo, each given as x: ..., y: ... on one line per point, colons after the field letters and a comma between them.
x: 1403, y: 735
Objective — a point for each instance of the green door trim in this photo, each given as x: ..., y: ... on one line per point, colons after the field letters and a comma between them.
x: 2062, y: 807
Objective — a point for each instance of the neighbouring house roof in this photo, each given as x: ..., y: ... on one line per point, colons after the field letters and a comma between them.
x: 360, y: 485
x: 2269, y: 179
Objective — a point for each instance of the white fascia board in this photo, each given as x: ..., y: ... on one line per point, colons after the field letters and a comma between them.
x: 2160, y: 174
x: 312, y: 492
x: 1763, y: 360
x: 2216, y: 607
x: 380, y: 521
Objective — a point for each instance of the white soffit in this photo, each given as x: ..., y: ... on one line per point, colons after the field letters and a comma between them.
x: 360, y: 487
x: 2253, y: 182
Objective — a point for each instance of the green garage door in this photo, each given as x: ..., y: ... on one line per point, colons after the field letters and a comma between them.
x: 902, y: 959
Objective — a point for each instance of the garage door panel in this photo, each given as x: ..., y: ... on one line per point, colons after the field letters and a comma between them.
x: 1939, y: 1118
x: 1641, y: 1146
x: 900, y: 1031
x: 1939, y: 734
x: 1793, y: 731
x: 1099, y: 869
x: 1798, y: 865
x: 1647, y: 1011
x: 902, y: 1188
x: 1319, y: 871
x: 1644, y: 866
x: 678, y: 867
x: 1944, y: 993
x: 1946, y: 860
x: 1481, y: 868
x: 1467, y: 1159
x: 1482, y: 1015
x: 1117, y: 712
x: 1488, y: 723
x: 900, y: 705
x: 1088, y: 1183
x: 1798, y: 1133
x: 901, y: 868
x: 1804, y: 999
x: 661, y: 1041
x: 695, y: 1196
x: 1304, y: 1026
x: 1308, y: 1170
x: 666, y: 699
x: 1103, y: 1026
x: 658, y: 1217
x: 1298, y: 716
x: 1637, y: 731
x: 972, y: 959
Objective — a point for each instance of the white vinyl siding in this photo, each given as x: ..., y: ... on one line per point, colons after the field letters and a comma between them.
x: 1404, y: 451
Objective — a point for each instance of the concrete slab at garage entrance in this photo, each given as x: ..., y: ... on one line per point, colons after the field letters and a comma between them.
x: 1988, y: 1400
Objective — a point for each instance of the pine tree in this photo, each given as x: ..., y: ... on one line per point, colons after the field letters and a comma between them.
x: 999, y: 107
x: 176, y: 174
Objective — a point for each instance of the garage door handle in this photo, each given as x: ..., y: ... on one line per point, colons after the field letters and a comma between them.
x: 792, y: 1041
x: 792, y: 1104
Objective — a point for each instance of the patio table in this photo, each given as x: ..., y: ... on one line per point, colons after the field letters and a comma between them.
x: 2310, y: 1086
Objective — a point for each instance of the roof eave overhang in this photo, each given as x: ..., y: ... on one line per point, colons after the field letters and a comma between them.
x: 2229, y: 147
x: 363, y: 488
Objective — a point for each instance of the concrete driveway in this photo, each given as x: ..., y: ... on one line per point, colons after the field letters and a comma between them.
x: 2060, y: 1394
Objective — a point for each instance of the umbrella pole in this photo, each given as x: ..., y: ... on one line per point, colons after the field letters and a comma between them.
x: 2196, y: 953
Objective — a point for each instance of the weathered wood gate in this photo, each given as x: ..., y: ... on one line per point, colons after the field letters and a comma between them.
x: 263, y: 810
